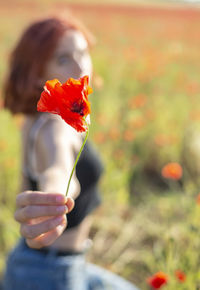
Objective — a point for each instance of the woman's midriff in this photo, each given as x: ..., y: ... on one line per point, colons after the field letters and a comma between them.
x: 74, y: 238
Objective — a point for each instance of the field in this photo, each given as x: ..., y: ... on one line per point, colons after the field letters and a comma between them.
x: 145, y: 114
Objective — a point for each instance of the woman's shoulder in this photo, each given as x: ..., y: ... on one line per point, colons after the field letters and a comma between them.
x: 53, y: 127
x: 48, y: 127
x: 43, y: 121
x: 55, y: 124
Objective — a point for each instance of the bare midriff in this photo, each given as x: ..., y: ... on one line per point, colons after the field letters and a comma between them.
x: 74, y: 238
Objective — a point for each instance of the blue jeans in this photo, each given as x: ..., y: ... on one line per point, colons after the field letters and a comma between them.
x: 28, y: 269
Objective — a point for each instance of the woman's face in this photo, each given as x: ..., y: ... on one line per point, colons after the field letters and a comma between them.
x: 70, y: 59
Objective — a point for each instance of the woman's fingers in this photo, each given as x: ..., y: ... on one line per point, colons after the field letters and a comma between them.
x: 34, y: 204
x: 70, y: 203
x: 40, y: 198
x: 42, y: 216
x: 48, y: 238
x: 34, y: 211
x: 32, y: 231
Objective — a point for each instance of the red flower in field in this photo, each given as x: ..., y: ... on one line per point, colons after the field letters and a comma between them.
x: 150, y: 114
x: 114, y: 133
x: 99, y: 137
x: 158, y: 280
x: 198, y: 199
x: 195, y: 115
x: 137, y: 123
x: 69, y: 100
x: 129, y: 135
x: 164, y: 140
x: 180, y: 275
x: 137, y: 101
x: 172, y: 170
x: 3, y: 145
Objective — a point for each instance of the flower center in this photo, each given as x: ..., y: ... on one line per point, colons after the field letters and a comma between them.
x: 78, y: 108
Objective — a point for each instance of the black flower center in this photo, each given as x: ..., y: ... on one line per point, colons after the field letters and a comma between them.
x: 78, y: 108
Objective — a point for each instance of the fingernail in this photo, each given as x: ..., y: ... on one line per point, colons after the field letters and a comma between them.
x: 66, y: 198
x: 62, y: 209
x: 66, y: 209
x: 70, y: 198
x: 60, y: 228
x: 60, y: 199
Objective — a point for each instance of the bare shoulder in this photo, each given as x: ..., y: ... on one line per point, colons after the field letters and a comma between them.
x: 55, y: 129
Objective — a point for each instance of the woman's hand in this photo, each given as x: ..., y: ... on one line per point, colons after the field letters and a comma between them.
x: 42, y: 216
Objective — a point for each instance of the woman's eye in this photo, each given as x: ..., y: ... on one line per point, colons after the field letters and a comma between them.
x: 85, y: 52
x: 63, y: 59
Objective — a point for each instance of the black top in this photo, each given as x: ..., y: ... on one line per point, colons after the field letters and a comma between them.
x: 88, y: 171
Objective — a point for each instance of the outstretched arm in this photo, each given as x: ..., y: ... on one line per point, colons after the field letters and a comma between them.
x: 41, y: 216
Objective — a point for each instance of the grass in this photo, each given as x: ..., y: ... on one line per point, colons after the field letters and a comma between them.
x: 145, y: 113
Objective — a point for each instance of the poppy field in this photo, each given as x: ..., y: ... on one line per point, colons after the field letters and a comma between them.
x: 145, y: 123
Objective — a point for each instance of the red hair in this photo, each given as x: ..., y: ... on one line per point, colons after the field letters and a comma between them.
x: 23, y: 86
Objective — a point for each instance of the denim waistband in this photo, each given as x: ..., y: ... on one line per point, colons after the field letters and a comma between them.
x: 46, y: 251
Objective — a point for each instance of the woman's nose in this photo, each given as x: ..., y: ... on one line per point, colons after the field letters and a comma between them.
x: 78, y: 64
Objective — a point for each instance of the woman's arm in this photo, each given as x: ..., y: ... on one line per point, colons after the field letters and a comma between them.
x: 55, y: 156
x: 41, y: 216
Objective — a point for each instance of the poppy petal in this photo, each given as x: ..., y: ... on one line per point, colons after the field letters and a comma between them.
x: 69, y: 100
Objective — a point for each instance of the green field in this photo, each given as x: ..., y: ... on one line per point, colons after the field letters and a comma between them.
x: 145, y: 114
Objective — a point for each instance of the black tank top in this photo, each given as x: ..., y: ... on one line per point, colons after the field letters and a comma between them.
x: 88, y: 171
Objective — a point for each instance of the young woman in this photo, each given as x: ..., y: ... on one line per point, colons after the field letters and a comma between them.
x: 54, y: 229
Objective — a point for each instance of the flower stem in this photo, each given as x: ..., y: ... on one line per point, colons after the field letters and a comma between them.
x: 77, y: 158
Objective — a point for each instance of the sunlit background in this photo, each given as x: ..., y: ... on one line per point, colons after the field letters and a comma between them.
x: 145, y: 115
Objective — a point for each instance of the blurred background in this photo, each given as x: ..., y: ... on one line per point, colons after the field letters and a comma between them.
x: 145, y: 116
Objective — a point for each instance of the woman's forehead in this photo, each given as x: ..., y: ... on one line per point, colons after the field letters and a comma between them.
x: 70, y: 41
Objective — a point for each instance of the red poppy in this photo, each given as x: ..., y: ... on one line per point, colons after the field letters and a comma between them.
x: 158, y: 280
x: 198, y: 199
x: 180, y: 275
x: 138, y: 101
x: 69, y: 100
x: 172, y: 170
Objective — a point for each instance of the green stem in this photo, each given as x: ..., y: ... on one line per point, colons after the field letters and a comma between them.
x: 77, y: 158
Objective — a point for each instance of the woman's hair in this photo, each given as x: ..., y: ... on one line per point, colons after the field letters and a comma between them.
x: 23, y: 85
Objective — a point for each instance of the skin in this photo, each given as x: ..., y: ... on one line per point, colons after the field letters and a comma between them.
x: 42, y: 216
x: 70, y: 59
